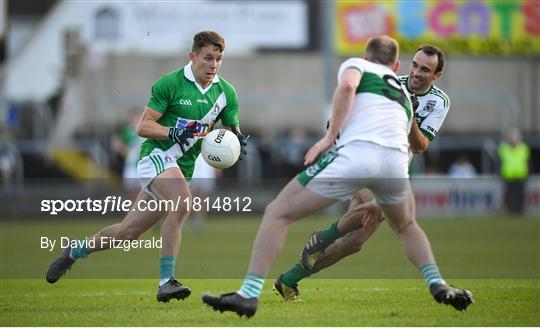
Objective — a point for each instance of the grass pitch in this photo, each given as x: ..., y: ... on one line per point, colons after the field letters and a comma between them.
x: 325, y: 302
x: 498, y: 259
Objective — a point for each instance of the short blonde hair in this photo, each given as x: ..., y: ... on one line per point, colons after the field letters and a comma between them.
x: 383, y: 50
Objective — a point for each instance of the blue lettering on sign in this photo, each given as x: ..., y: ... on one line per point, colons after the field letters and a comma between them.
x: 464, y: 199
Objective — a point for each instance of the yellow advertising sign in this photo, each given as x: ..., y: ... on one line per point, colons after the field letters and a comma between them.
x: 463, y: 27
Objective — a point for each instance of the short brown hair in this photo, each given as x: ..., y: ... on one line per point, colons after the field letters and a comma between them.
x: 382, y: 49
x: 204, y: 38
x: 431, y: 50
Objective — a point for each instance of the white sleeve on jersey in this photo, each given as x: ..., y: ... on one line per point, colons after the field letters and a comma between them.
x: 351, y: 63
x: 433, y: 121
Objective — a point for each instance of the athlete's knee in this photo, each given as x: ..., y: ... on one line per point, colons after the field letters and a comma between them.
x: 182, y: 206
x: 180, y: 215
x: 402, y: 225
x: 272, y: 210
x: 276, y: 210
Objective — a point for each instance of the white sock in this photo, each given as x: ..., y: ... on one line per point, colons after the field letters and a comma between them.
x: 252, y: 286
x: 164, y: 281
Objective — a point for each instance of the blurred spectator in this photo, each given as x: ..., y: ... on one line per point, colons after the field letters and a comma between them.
x: 462, y: 168
x: 127, y: 144
x: 292, y: 151
x: 432, y: 170
x: 514, y: 158
x: 8, y: 159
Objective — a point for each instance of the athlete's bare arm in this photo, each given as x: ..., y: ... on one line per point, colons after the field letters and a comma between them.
x: 341, y: 106
x: 417, y: 140
x: 149, y: 127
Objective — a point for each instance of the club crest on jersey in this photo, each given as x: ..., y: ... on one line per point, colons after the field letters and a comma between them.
x: 430, y: 105
x: 200, y: 128
x: 216, y: 109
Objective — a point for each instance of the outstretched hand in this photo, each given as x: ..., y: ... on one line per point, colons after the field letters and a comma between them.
x: 320, y: 147
x: 372, y: 214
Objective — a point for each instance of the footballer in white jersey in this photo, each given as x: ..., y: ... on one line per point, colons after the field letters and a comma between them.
x: 432, y: 109
x: 433, y: 106
x: 381, y: 111
x: 363, y: 158
x: 362, y: 220
x: 373, y: 145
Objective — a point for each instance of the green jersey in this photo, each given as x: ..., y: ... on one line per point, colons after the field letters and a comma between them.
x: 181, y: 100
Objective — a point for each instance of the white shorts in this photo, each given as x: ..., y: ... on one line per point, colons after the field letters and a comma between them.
x: 130, y: 175
x: 149, y: 167
x: 340, y: 173
x: 203, y: 178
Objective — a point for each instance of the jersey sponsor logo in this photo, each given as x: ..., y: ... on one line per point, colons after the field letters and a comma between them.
x: 185, y: 102
x: 430, y: 129
x: 201, y: 129
x: 430, y: 105
x: 204, y: 101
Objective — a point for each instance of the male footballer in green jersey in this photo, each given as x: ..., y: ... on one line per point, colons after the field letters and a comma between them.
x: 364, y: 216
x: 184, y: 106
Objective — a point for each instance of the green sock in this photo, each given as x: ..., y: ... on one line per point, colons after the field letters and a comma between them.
x: 298, y: 272
x: 331, y: 233
x: 292, y: 277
